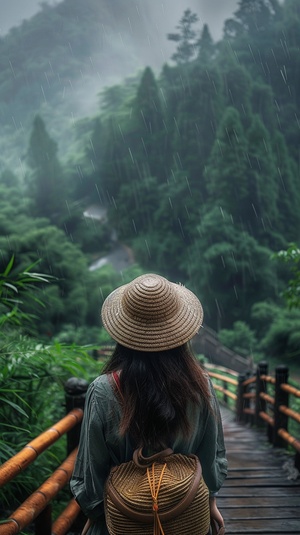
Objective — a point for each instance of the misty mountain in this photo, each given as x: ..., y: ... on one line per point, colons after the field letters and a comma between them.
x: 57, y: 62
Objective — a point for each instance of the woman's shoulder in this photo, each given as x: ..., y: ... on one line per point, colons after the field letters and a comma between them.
x: 101, y: 387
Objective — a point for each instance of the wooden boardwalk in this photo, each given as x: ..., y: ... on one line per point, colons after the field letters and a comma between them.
x: 260, y: 495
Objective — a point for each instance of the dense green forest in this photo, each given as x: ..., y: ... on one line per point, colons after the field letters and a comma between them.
x: 196, y: 168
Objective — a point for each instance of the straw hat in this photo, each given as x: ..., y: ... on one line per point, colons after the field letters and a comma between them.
x: 152, y: 314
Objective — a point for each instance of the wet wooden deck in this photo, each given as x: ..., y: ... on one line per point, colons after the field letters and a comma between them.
x: 259, y: 495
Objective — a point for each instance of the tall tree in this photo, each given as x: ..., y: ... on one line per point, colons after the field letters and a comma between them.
x: 135, y: 140
x: 206, y: 47
x: 185, y: 37
x: 262, y: 103
x: 228, y: 268
x: 173, y: 222
x: 260, y: 209
x: 148, y: 135
x: 46, y: 182
x: 195, y: 123
x: 237, y: 88
x: 256, y: 15
x: 226, y: 170
x: 288, y: 200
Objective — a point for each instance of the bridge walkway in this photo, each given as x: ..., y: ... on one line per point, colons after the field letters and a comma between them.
x: 261, y: 494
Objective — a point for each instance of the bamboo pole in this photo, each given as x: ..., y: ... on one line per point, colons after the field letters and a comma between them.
x: 32, y: 507
x: 33, y: 449
x: 65, y: 521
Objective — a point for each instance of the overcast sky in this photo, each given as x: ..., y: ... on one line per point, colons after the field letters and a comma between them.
x: 213, y: 12
x: 13, y: 12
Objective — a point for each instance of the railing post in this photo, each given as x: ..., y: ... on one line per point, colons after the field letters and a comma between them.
x: 240, y: 400
x: 281, y: 398
x: 43, y: 522
x: 225, y: 397
x: 297, y: 461
x: 261, y: 386
x: 75, y: 391
x: 248, y: 418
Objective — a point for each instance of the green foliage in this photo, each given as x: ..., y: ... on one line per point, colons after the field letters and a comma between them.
x: 185, y: 37
x: 46, y: 183
x: 147, y: 139
x: 261, y: 206
x: 32, y: 399
x: 282, y: 340
x: 277, y: 330
x: 234, y: 269
x: 262, y: 316
x: 226, y: 172
x: 195, y: 167
x: 12, y: 290
x: 240, y: 338
x: 63, y: 260
x: 237, y: 88
x: 291, y: 256
x: 288, y: 190
x: 32, y: 376
x: 197, y: 92
x: 206, y: 46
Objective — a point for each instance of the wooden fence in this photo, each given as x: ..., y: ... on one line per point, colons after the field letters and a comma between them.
x: 208, y: 344
x: 263, y: 401
x: 36, y: 509
x: 259, y: 406
x: 248, y: 394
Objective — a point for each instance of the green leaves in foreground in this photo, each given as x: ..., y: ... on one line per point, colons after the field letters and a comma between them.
x: 13, y: 286
x: 32, y: 378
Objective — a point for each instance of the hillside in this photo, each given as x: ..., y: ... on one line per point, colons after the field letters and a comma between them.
x: 196, y: 164
x: 57, y: 63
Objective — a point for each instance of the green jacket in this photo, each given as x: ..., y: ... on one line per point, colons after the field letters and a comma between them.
x: 101, y: 447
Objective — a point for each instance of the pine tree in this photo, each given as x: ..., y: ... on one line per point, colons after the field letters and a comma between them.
x: 226, y: 170
x: 229, y: 269
x: 195, y: 123
x: 185, y: 37
x: 237, y: 88
x: 260, y: 211
x: 262, y: 103
x: 205, y: 45
x: 148, y: 135
x: 46, y: 182
x: 288, y: 200
x: 256, y: 15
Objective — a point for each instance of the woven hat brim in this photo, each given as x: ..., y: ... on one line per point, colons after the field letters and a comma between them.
x: 151, y: 335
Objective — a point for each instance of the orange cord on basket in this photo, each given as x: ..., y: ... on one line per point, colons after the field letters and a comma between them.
x: 157, y: 528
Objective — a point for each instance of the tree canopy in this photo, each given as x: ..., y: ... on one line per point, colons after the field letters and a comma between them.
x: 195, y: 166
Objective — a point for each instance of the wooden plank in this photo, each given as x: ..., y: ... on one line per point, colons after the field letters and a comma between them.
x: 257, y: 496
x: 259, y: 482
x: 257, y: 513
x: 231, y: 502
x: 250, y: 461
x: 255, y: 526
x: 259, y: 491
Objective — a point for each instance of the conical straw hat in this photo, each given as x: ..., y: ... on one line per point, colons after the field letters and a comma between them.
x: 152, y: 314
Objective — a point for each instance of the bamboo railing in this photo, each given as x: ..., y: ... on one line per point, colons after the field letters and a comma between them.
x: 273, y: 410
x: 36, y: 509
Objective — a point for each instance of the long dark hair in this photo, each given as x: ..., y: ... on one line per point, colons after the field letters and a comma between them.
x: 157, y: 389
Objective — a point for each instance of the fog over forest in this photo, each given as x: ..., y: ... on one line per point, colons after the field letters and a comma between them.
x: 189, y: 143
x: 164, y: 14
x: 125, y: 44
